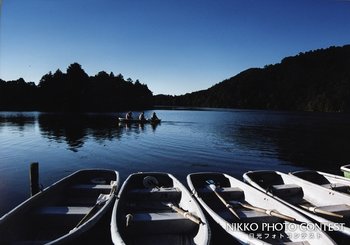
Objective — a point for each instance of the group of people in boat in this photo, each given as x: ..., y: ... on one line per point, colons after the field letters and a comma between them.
x: 141, y: 117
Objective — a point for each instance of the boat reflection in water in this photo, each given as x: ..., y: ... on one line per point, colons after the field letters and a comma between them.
x: 131, y: 123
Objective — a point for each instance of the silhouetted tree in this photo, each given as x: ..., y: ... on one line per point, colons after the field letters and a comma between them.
x: 18, y: 95
x: 102, y: 92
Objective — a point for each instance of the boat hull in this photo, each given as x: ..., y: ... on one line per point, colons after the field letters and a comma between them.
x: 325, y: 180
x: 137, y: 121
x: 298, y: 194
x: 255, y: 231
x: 63, y: 211
x: 141, y: 214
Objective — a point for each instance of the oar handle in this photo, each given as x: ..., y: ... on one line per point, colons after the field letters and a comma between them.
x: 317, y: 210
x: 87, y: 215
x: 228, y: 206
x: 102, y: 198
x: 184, y: 213
x: 268, y: 212
x: 279, y: 215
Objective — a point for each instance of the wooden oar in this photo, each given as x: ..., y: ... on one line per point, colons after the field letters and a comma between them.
x: 211, y: 186
x: 100, y: 200
x: 152, y: 182
x: 317, y: 210
x: 248, y: 206
x: 184, y: 213
x: 266, y: 211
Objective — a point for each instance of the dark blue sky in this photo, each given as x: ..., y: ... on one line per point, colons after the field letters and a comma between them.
x: 174, y: 46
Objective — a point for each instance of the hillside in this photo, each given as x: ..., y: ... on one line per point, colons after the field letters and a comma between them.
x: 313, y: 81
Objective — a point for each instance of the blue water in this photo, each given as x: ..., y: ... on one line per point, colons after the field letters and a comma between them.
x: 231, y: 141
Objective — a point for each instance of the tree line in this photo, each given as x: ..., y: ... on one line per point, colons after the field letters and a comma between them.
x: 75, y: 91
x: 317, y: 80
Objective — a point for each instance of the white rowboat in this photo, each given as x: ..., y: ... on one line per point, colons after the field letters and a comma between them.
x: 267, y: 220
x: 322, y: 205
x: 144, y: 213
x: 326, y: 180
x: 63, y: 211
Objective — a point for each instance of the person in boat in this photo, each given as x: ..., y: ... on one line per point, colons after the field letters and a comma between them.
x: 128, y: 115
x: 142, y: 116
x: 154, y: 117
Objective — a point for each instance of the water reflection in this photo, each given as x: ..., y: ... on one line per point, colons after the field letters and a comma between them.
x: 76, y: 129
x: 73, y: 129
x: 18, y: 120
x: 138, y: 127
x: 309, y: 140
x: 318, y: 141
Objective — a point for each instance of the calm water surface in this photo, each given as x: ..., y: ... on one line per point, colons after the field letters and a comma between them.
x: 232, y: 141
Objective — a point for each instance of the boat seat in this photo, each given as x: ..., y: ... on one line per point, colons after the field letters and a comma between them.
x: 251, y: 216
x: 96, y: 188
x: 341, y: 209
x: 160, y: 223
x: 338, y: 187
x: 248, y: 216
x: 289, y: 192
x: 162, y: 194
x: 64, y: 210
x: 79, y: 201
x: 228, y: 193
x: 137, y: 206
x: 61, y: 215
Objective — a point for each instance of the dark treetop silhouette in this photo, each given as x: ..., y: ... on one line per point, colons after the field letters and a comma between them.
x: 75, y: 91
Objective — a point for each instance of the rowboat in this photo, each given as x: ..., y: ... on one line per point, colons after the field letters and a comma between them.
x: 326, y: 180
x: 248, y: 215
x: 151, y: 121
x: 63, y: 211
x: 346, y: 170
x: 327, y: 207
x: 155, y: 208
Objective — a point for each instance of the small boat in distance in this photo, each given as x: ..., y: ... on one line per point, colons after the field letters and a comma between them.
x: 329, y: 181
x: 327, y: 207
x: 245, y: 212
x: 346, y: 170
x: 155, y: 208
x: 63, y: 211
x: 127, y: 121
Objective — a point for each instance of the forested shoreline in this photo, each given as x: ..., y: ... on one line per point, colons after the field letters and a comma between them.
x: 313, y: 81
x: 317, y: 80
x: 75, y: 91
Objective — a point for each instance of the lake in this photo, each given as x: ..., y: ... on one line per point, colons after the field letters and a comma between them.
x: 231, y: 141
